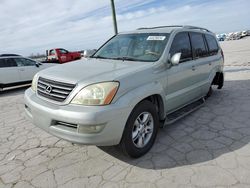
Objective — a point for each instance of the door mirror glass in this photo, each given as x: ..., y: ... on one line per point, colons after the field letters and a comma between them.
x: 175, y: 59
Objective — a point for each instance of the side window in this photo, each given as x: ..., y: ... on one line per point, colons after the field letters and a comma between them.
x: 28, y: 62
x: 24, y: 62
x: 212, y: 45
x: 181, y: 43
x: 4, y: 63
x: 198, y: 44
x: 62, y: 51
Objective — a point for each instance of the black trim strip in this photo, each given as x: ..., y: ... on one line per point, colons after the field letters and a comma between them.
x: 15, y: 84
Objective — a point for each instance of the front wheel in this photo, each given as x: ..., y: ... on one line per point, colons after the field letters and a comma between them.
x: 140, y: 130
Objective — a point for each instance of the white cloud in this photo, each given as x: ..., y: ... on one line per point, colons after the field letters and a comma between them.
x: 30, y: 26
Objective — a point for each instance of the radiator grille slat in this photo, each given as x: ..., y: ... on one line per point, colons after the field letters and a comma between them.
x: 54, y: 90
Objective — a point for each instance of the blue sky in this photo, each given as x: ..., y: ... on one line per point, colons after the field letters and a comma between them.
x: 31, y: 26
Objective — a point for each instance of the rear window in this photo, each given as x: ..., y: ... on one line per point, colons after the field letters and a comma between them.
x: 52, y: 52
x: 4, y: 63
x: 212, y: 45
x: 198, y: 44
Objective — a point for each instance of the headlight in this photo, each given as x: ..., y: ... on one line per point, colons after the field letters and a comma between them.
x: 34, y: 83
x: 96, y: 94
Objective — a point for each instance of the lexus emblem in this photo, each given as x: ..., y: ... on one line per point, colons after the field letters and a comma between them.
x: 48, y: 88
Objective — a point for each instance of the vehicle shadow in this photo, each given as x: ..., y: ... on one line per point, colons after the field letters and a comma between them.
x: 221, y: 126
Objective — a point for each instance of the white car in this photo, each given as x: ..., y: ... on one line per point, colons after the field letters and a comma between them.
x: 243, y: 34
x: 248, y: 32
x: 16, y: 71
x: 229, y: 36
x: 237, y: 35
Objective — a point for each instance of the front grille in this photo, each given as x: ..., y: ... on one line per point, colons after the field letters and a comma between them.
x: 54, y: 90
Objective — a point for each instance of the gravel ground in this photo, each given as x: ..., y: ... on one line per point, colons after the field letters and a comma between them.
x: 209, y: 148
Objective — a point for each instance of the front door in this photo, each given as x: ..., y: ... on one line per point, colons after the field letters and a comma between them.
x: 27, y: 68
x: 182, y: 88
x: 8, y: 71
x: 64, y: 55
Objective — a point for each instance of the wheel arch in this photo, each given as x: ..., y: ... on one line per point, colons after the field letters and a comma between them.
x: 152, y: 92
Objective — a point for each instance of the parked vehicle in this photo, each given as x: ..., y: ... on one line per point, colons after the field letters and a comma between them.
x: 243, y: 34
x: 221, y: 37
x: 60, y: 55
x: 132, y: 83
x: 237, y: 35
x: 230, y: 36
x: 248, y: 32
x: 16, y: 71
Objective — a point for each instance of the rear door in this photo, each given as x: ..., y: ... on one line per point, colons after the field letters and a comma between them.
x: 27, y: 68
x: 181, y: 87
x: 213, y: 60
x: 200, y: 53
x: 8, y: 71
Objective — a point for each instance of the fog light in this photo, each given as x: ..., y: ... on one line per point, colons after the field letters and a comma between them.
x: 90, y: 128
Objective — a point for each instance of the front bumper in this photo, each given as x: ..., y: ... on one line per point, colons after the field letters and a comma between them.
x: 69, y: 121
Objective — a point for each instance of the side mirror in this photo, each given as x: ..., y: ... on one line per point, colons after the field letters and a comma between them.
x: 88, y: 53
x: 37, y: 64
x: 175, y: 59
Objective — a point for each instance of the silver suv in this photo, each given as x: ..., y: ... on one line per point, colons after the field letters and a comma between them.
x: 135, y: 83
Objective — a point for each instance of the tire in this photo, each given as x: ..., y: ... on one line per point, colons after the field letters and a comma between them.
x: 209, y: 93
x: 138, y: 138
x: 221, y: 81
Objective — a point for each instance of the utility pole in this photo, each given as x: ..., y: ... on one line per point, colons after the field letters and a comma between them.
x: 114, y: 16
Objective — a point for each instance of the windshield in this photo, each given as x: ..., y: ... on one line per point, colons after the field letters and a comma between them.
x: 134, y: 47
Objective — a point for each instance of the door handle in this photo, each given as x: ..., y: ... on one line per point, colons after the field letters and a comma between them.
x: 193, y: 68
x: 21, y: 69
x: 210, y: 63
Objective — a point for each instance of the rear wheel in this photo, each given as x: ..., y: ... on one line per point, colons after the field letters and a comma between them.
x: 140, y: 130
x: 221, y: 81
x: 210, y: 91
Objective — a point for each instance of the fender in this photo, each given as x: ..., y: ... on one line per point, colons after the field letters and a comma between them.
x: 212, y: 74
x: 136, y: 95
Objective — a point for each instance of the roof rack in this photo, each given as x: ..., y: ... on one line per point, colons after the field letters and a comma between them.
x: 181, y: 26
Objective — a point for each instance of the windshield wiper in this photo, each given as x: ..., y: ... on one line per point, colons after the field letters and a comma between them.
x: 125, y: 58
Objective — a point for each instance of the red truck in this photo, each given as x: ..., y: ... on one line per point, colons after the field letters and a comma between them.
x: 60, y: 55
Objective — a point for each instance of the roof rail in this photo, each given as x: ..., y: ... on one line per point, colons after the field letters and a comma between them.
x: 5, y: 55
x: 181, y: 26
x: 194, y: 27
x: 157, y: 27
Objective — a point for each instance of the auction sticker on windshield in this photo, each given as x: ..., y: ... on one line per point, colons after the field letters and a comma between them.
x: 156, y: 37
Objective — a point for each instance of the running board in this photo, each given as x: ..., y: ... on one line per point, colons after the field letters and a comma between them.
x: 176, y: 115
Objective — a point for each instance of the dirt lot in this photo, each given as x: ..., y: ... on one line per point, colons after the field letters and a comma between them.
x: 209, y: 148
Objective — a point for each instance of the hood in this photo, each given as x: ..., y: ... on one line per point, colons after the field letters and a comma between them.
x: 92, y: 70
